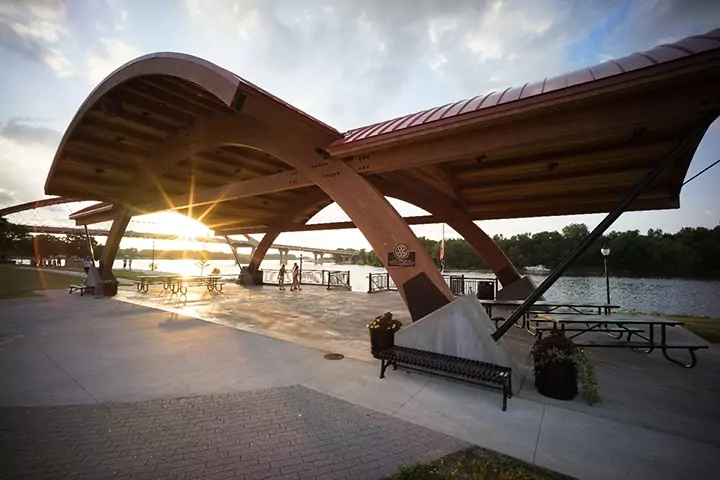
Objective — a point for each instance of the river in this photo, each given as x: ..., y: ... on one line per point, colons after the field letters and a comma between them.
x: 670, y: 296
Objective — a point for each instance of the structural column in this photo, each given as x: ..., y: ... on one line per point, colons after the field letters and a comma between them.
x: 109, y: 252
x: 449, y: 210
x: 419, y: 281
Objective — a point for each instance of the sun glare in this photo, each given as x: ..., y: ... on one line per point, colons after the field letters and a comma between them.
x: 187, y: 229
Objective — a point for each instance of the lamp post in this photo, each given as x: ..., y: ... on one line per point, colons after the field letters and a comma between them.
x: 606, y: 252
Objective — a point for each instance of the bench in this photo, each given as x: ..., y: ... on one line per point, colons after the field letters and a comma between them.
x: 81, y: 288
x: 455, y: 368
x: 646, y: 347
x: 629, y: 331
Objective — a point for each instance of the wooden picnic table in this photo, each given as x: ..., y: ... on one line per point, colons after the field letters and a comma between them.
x: 632, y: 325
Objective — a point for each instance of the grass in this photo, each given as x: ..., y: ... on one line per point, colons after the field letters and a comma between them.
x: 476, y: 464
x: 21, y: 282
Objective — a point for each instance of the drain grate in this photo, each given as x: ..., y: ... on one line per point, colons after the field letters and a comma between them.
x: 334, y: 356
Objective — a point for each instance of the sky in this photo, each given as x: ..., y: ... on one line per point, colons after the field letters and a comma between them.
x: 348, y: 63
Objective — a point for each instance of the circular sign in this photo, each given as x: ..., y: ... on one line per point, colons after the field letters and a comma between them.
x: 401, y: 251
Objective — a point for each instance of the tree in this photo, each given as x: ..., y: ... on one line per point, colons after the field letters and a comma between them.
x: 76, y: 246
x: 12, y: 239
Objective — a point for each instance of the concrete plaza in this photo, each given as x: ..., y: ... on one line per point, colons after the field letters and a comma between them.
x: 118, y: 389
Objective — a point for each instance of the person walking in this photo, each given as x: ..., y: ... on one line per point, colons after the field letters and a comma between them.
x: 295, y: 278
x: 124, y: 263
x: 281, y: 277
x: 130, y: 264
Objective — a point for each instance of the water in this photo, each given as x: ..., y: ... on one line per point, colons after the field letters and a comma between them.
x: 670, y: 296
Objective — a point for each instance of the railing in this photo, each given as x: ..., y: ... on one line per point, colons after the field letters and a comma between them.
x: 458, y: 284
x: 327, y: 278
x: 381, y: 282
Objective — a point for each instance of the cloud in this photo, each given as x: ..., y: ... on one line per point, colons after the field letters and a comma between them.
x: 26, y: 152
x: 33, y: 29
x: 108, y: 56
x: 360, y: 62
x: 20, y: 131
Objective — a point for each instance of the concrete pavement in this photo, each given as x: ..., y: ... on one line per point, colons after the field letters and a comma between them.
x: 71, y: 350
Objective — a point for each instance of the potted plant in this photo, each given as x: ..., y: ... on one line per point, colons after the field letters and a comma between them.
x: 559, y: 365
x: 382, y: 332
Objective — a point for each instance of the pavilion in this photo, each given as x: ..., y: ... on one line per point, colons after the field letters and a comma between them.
x: 169, y: 131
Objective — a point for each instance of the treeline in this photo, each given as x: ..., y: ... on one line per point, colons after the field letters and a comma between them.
x: 691, y: 252
x: 16, y: 242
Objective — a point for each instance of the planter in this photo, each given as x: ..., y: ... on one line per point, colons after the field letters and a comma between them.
x: 557, y: 380
x: 381, y: 340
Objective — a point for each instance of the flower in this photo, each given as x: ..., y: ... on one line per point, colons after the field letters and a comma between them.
x: 385, y: 322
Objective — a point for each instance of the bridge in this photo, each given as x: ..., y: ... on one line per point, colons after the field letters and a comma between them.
x: 170, y: 131
x: 249, y: 242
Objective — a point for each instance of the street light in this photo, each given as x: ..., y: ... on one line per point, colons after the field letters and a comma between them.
x: 605, y: 250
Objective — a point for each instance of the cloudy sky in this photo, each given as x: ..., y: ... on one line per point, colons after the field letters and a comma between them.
x: 346, y: 62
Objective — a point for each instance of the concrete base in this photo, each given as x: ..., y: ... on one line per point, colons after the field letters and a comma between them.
x: 94, y: 280
x: 461, y: 329
x: 519, y: 290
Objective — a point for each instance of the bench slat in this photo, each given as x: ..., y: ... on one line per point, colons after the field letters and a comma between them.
x: 620, y: 343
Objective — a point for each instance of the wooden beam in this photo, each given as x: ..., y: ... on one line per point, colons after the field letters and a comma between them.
x: 312, y: 227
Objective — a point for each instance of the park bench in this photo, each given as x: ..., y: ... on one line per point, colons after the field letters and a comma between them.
x: 462, y: 369
x: 81, y: 288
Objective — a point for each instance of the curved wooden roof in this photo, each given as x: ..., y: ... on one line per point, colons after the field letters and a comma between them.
x: 453, y: 112
x: 569, y: 144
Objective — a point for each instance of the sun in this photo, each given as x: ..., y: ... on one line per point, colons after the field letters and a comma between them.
x: 184, y: 227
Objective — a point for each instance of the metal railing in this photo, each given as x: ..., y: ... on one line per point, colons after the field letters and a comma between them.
x: 381, y: 282
x: 327, y: 278
x: 458, y: 284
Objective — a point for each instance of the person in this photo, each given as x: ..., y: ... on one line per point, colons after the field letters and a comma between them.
x: 124, y: 263
x: 130, y: 264
x: 87, y: 264
x: 281, y: 277
x: 295, y: 278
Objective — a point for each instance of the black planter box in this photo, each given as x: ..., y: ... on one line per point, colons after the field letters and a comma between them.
x: 381, y: 340
x: 557, y: 380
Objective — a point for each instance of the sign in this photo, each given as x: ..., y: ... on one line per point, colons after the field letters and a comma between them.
x: 401, y: 256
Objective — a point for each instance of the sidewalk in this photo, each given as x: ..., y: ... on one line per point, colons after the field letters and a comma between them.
x: 68, y: 351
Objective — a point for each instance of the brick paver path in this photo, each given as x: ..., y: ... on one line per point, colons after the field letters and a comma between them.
x: 282, y: 433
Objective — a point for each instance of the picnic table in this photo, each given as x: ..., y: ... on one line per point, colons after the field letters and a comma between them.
x: 180, y: 284
x: 545, y: 306
x: 143, y: 282
x: 642, y: 327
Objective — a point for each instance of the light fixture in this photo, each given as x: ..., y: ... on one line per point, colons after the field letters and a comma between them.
x: 605, y: 251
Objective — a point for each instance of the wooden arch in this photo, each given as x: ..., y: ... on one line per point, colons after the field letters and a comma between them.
x: 254, y: 119
x: 441, y: 207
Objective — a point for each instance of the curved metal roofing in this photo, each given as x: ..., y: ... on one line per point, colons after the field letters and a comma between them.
x: 661, y: 54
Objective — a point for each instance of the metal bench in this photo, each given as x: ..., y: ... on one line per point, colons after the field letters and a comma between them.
x: 455, y: 368
x: 81, y: 288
